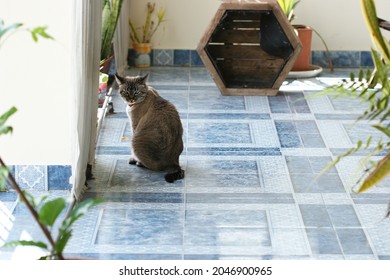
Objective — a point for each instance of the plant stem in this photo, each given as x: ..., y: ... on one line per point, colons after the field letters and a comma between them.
x: 33, y: 212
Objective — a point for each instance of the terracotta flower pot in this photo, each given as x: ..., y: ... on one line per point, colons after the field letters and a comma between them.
x: 105, y: 66
x: 304, y: 59
x: 142, y: 55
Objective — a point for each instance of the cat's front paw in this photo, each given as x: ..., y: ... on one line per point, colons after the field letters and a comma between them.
x: 133, y: 161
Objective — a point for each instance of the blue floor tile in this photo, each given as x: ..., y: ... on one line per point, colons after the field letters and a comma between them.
x: 353, y: 241
x: 227, y: 133
x: 323, y: 241
x: 251, y: 190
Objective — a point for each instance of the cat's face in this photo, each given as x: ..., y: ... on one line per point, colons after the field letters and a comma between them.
x: 133, y: 90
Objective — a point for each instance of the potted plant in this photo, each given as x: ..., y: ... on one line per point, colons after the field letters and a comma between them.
x: 44, y: 212
x: 111, y: 10
x: 304, y: 32
x: 373, y: 89
x: 142, y: 36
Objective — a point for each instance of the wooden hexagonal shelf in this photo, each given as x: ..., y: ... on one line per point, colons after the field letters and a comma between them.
x: 249, y: 47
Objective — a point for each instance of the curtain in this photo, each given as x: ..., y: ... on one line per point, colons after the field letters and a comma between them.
x: 85, y: 81
x: 121, y: 38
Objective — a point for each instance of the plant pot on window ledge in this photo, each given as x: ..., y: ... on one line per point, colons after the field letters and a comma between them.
x: 105, y: 64
x: 142, y: 57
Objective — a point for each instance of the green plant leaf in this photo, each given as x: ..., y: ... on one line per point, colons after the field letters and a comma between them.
x: 9, y: 28
x: 65, y: 231
x: 6, y: 115
x: 288, y: 7
x: 3, y: 118
x: 4, y: 171
x: 373, y: 90
x: 81, y: 209
x: 370, y: 15
x: 50, y: 211
x: 63, y: 240
x: 77, y: 212
x: 110, y: 15
x: 34, y: 201
x: 40, y: 31
x: 361, y: 75
x: 381, y: 170
x: 5, y: 130
x: 368, y: 142
x: 382, y: 129
x: 25, y: 243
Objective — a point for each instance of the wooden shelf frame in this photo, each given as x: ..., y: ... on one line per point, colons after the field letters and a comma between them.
x: 249, y: 47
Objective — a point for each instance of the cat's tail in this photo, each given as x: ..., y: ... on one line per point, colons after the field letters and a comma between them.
x: 172, y: 177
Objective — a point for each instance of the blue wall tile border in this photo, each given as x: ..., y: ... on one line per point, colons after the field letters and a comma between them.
x: 42, y: 177
x: 58, y: 177
x: 340, y: 59
x: 8, y: 196
x: 181, y: 57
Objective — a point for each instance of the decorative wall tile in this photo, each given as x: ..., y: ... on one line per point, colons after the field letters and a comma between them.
x: 42, y: 177
x: 32, y: 177
x: 162, y: 57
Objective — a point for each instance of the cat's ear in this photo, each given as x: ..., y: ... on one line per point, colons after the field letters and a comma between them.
x: 143, y: 79
x: 120, y: 80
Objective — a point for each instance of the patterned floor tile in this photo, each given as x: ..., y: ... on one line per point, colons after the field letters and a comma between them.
x: 252, y: 188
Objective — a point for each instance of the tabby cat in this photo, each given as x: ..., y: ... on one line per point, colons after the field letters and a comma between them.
x: 157, y: 130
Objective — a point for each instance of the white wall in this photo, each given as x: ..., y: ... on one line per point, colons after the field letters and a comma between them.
x: 186, y: 21
x: 340, y: 22
x: 35, y: 77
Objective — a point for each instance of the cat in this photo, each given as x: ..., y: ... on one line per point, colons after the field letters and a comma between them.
x: 157, y: 130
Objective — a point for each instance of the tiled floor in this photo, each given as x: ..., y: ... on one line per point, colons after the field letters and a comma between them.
x: 251, y: 189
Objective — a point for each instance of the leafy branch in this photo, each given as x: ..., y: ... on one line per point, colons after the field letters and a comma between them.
x: 373, y: 89
x: 36, y: 33
x: 45, y: 213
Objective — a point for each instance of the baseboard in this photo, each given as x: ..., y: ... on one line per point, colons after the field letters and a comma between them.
x: 42, y: 177
x: 190, y: 58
